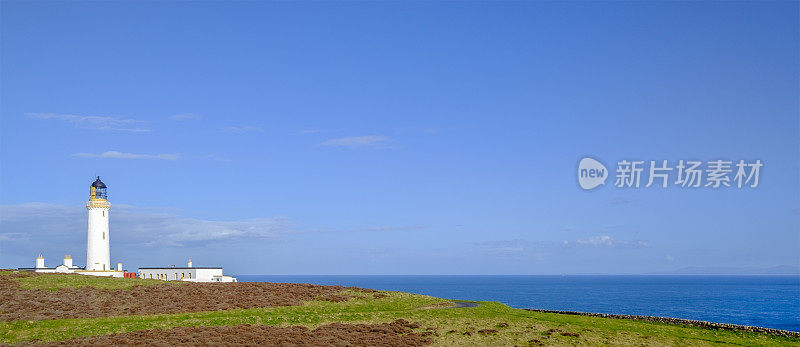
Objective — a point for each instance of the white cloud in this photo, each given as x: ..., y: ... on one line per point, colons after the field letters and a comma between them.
x: 505, y: 246
x: 242, y: 129
x: 37, y: 223
x: 10, y: 236
x: 604, y: 240
x: 169, y: 229
x: 123, y: 155
x: 184, y: 116
x: 131, y: 225
x: 358, y: 141
x: 608, y: 241
x: 94, y: 122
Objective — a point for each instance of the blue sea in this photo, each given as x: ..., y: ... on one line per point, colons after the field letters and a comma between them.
x: 766, y: 301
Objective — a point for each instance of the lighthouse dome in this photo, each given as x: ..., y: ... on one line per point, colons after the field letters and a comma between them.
x: 98, y: 183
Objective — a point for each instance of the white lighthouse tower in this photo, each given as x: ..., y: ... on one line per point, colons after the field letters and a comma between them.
x: 98, y: 255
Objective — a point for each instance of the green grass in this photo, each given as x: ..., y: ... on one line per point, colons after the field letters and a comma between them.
x: 54, y: 282
x: 522, y: 326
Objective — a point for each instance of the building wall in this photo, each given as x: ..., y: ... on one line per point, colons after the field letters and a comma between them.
x: 64, y: 269
x: 205, y: 275
x: 117, y: 274
x: 98, y: 255
x: 181, y: 274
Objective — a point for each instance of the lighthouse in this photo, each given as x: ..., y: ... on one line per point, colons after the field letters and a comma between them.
x: 98, y: 255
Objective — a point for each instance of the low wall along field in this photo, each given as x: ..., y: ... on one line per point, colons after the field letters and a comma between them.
x: 71, y: 309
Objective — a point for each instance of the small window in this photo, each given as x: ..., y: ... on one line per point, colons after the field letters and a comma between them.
x: 104, y: 235
x: 104, y: 213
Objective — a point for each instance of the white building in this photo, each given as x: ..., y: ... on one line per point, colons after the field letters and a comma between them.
x: 98, y: 253
x: 68, y: 267
x: 188, y: 273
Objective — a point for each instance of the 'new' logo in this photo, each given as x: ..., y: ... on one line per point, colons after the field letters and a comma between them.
x: 591, y: 173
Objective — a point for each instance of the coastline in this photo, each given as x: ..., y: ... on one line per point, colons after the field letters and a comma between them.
x: 680, y: 296
x: 71, y: 309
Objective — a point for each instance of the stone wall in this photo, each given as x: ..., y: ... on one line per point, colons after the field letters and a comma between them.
x: 684, y: 322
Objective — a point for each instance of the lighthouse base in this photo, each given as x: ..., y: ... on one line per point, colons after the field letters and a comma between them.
x: 75, y: 270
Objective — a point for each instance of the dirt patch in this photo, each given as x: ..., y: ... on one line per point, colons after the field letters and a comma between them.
x: 551, y: 331
x: 87, y: 302
x: 397, y: 333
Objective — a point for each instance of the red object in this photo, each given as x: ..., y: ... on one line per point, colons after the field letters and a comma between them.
x: 130, y: 275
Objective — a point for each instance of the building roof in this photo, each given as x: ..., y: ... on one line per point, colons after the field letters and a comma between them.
x: 172, y: 268
x: 98, y: 183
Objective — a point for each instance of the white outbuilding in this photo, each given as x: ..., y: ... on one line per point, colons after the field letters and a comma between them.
x: 188, y: 273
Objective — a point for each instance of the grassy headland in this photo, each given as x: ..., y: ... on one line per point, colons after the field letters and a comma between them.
x: 435, y: 321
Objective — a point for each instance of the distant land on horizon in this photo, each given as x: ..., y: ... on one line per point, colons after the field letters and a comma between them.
x: 730, y: 270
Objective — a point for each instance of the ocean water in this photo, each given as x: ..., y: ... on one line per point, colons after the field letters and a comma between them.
x: 766, y: 301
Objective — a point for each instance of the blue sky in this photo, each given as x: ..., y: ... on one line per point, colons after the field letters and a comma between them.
x: 398, y: 138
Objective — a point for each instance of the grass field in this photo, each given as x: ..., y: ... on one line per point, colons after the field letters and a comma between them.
x: 490, y: 323
x: 54, y: 283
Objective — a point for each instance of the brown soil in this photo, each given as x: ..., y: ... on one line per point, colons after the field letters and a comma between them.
x: 397, y: 333
x: 87, y: 302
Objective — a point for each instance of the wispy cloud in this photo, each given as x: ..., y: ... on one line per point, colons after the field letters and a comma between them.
x: 416, y: 129
x: 94, y: 122
x: 310, y: 131
x: 10, y: 236
x: 368, y: 230
x: 123, y: 155
x: 509, y: 247
x: 607, y: 241
x: 620, y: 201
x: 148, y: 226
x: 522, y: 245
x: 242, y: 129
x: 603, y: 240
x: 358, y: 141
x: 217, y: 158
x: 184, y: 117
